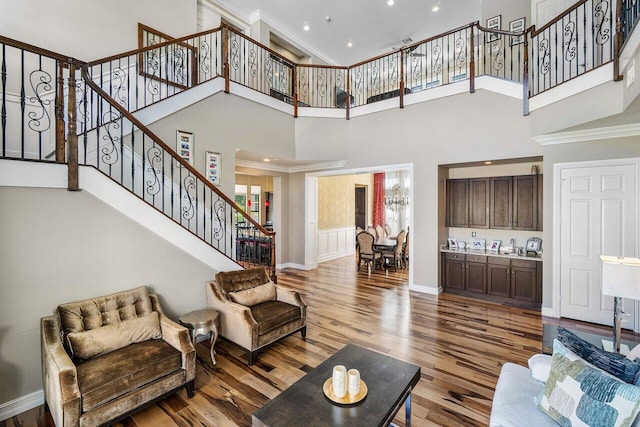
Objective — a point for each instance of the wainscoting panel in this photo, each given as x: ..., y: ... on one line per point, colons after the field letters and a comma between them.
x: 335, y: 243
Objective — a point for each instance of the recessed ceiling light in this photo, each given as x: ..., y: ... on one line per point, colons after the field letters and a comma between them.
x: 435, y: 8
x: 488, y: 163
x: 266, y: 159
x: 349, y: 44
x: 306, y: 27
x: 390, y: 2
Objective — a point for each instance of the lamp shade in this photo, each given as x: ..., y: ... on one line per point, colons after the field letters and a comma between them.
x: 621, y: 277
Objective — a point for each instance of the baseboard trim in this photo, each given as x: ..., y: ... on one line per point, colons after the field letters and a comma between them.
x: 295, y: 266
x: 425, y: 289
x: 548, y: 312
x: 21, y: 404
x: 336, y: 255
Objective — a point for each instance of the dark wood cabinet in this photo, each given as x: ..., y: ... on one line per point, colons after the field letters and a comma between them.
x: 457, y: 203
x: 501, y: 202
x: 479, y: 203
x: 504, y: 203
x: 515, y: 281
x: 476, y: 277
x: 524, y: 281
x: 499, y: 280
x: 455, y: 271
x: 525, y: 202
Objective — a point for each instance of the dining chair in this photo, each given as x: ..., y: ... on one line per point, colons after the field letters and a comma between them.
x: 371, y: 230
x: 405, y: 250
x: 395, y: 256
x: 379, y: 231
x: 366, y: 252
x: 387, y: 230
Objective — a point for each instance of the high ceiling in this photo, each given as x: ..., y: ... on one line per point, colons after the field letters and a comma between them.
x: 372, y: 26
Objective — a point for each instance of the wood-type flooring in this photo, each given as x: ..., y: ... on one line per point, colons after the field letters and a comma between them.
x: 460, y: 343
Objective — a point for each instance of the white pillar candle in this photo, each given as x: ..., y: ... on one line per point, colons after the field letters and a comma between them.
x: 353, y: 381
x: 339, y: 381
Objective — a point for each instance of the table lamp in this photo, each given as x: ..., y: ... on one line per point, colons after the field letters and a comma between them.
x: 620, y: 279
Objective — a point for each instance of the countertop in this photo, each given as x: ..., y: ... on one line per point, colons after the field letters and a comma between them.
x: 485, y: 252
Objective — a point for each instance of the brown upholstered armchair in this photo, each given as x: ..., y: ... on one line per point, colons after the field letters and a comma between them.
x: 107, y: 357
x: 254, y: 312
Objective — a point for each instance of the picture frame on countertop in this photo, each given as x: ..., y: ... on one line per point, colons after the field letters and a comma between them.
x: 185, y: 146
x: 495, y: 246
x: 452, y: 243
x: 212, y: 167
x: 478, y: 244
x: 517, y: 25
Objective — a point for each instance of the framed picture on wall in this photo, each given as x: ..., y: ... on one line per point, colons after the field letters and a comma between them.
x: 184, y: 146
x: 212, y: 166
x: 517, y: 25
x: 493, y: 24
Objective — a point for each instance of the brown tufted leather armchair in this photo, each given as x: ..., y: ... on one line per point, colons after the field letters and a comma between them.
x: 107, y: 357
x: 254, y: 312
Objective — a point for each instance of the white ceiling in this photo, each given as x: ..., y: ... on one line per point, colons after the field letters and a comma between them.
x: 372, y: 26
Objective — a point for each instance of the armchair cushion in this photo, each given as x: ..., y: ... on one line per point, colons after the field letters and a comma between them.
x: 103, y: 378
x: 253, y: 296
x: 273, y: 314
x: 87, y: 344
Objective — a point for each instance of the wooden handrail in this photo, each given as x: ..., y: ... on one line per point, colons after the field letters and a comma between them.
x: 257, y: 43
x: 159, y: 142
x: 498, y: 31
x: 39, y: 50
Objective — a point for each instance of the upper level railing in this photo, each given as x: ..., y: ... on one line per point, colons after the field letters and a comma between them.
x: 101, y: 133
x: 629, y: 12
x: 579, y: 40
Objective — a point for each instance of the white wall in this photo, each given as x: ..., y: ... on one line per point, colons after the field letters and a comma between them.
x: 59, y: 246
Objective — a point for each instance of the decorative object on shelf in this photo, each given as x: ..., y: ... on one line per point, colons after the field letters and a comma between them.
x: 477, y: 243
x: 398, y: 200
x: 514, y: 26
x: 212, y: 166
x: 348, y: 399
x: 184, y: 146
x: 339, y: 381
x: 453, y: 243
x: 493, y: 24
x: 495, y: 246
x: 534, y: 170
x: 462, y: 244
x: 534, y: 245
x: 620, y: 279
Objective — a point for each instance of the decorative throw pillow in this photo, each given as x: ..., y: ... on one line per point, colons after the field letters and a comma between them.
x: 253, y: 296
x: 94, y: 342
x: 540, y: 365
x: 577, y: 393
x: 613, y: 363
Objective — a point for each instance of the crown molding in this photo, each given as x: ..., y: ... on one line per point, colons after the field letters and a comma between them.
x: 608, y: 132
x: 290, y: 169
x: 260, y: 15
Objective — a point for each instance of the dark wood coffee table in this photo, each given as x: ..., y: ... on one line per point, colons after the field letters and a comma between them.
x: 390, y: 382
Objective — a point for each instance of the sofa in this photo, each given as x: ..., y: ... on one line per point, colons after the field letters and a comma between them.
x: 254, y: 311
x: 107, y: 357
x: 578, y: 385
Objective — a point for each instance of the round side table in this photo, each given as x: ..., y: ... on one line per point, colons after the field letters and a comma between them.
x: 202, y: 322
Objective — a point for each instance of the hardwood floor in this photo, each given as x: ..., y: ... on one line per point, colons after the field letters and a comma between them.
x: 460, y: 344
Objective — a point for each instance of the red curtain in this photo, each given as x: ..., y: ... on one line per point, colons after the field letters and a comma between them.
x: 378, y: 199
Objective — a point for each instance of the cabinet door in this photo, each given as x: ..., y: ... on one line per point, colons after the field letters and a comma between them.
x: 479, y: 203
x: 525, y: 202
x: 457, y: 202
x: 540, y: 197
x: 454, y: 274
x: 477, y: 277
x: 498, y: 280
x: 501, y: 209
x: 524, y: 284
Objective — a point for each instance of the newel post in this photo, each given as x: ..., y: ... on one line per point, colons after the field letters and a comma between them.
x: 348, y: 98
x: 72, y: 137
x: 472, y: 62
x: 60, y: 140
x: 617, y: 42
x: 225, y: 63
x: 401, y: 88
x: 525, y: 74
x: 295, y: 90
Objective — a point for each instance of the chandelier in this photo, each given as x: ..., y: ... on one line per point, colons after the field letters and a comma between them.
x: 397, y: 201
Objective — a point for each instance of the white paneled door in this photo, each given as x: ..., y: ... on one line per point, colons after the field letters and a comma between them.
x: 598, y: 216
